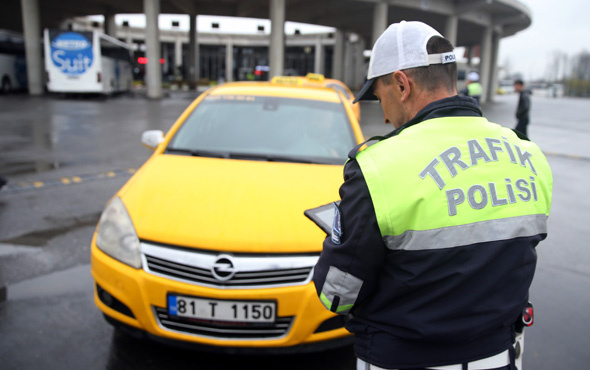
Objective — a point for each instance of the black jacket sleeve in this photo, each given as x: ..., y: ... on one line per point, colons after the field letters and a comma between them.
x: 524, y: 105
x: 361, y: 251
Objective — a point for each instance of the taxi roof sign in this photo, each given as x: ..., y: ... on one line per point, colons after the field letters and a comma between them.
x: 287, y: 80
x: 315, y: 77
x: 310, y: 78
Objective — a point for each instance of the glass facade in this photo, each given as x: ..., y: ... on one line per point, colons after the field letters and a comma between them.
x: 249, y: 62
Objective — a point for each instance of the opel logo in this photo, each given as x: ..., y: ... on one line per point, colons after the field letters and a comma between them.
x: 223, y: 269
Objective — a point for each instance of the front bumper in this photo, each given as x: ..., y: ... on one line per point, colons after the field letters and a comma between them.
x: 137, y: 299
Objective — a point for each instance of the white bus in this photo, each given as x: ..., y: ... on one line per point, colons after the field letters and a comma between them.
x: 13, y: 66
x: 86, y: 62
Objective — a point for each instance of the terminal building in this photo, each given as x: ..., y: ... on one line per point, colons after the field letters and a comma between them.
x: 476, y: 25
x: 230, y: 57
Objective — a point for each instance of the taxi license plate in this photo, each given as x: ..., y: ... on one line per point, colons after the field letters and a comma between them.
x: 230, y: 311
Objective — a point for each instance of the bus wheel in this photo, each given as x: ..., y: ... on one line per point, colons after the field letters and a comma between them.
x: 6, y: 85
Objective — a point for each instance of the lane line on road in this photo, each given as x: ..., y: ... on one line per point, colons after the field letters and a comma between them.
x: 569, y: 156
x: 65, y: 181
x: 106, y: 175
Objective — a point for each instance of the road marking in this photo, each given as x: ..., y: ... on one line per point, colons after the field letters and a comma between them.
x: 66, y: 181
x: 106, y: 175
x: 570, y: 156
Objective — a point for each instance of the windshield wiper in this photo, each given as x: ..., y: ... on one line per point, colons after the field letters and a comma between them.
x: 198, y: 153
x: 273, y: 158
x: 246, y: 156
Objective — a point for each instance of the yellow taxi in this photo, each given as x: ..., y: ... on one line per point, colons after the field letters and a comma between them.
x: 207, y: 244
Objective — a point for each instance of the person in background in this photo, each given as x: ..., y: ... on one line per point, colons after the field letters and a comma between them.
x: 524, y: 107
x: 473, y: 87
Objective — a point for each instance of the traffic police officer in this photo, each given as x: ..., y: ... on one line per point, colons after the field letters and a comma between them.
x: 432, y: 250
x: 473, y: 88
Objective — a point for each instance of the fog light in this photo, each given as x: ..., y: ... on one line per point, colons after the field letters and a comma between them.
x: 112, y: 302
x: 106, y: 298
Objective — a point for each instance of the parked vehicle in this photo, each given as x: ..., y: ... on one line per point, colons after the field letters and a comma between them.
x: 207, y: 244
x: 86, y: 62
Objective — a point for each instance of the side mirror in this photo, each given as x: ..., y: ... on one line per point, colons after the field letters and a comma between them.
x: 152, y: 138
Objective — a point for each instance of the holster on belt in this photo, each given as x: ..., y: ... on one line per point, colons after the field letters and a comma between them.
x: 526, y: 318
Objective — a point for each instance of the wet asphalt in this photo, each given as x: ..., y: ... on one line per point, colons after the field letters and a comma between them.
x: 64, y: 157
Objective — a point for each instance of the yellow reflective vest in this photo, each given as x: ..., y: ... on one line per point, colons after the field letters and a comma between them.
x: 474, y: 89
x: 488, y: 185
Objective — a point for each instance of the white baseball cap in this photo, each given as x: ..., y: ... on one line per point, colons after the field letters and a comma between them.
x: 401, y: 46
x: 473, y: 76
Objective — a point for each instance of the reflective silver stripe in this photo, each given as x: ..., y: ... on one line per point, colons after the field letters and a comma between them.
x: 478, y: 232
x: 343, y: 285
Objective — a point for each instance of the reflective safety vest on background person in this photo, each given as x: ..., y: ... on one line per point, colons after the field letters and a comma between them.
x: 489, y: 182
x: 474, y: 89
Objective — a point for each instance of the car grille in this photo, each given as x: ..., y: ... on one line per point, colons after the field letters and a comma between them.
x: 247, y: 271
x: 224, y: 330
x: 248, y: 279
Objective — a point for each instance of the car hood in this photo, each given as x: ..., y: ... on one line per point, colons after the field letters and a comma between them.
x: 230, y: 205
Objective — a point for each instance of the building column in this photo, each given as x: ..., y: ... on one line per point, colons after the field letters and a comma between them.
x: 165, y: 56
x: 128, y: 37
x: 349, y: 60
x: 485, y: 58
x: 177, y: 54
x: 451, y: 26
x: 33, y: 44
x: 229, y: 61
x: 193, y: 52
x: 493, y: 85
x: 318, y: 64
x: 151, y: 9
x: 471, y: 55
x: 338, y: 57
x: 110, y: 27
x: 380, y: 14
x: 277, y: 37
x: 360, y: 73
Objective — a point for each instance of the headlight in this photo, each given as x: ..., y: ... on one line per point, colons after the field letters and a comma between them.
x: 116, y: 235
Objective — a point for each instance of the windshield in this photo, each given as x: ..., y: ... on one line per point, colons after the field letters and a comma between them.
x: 266, y: 128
